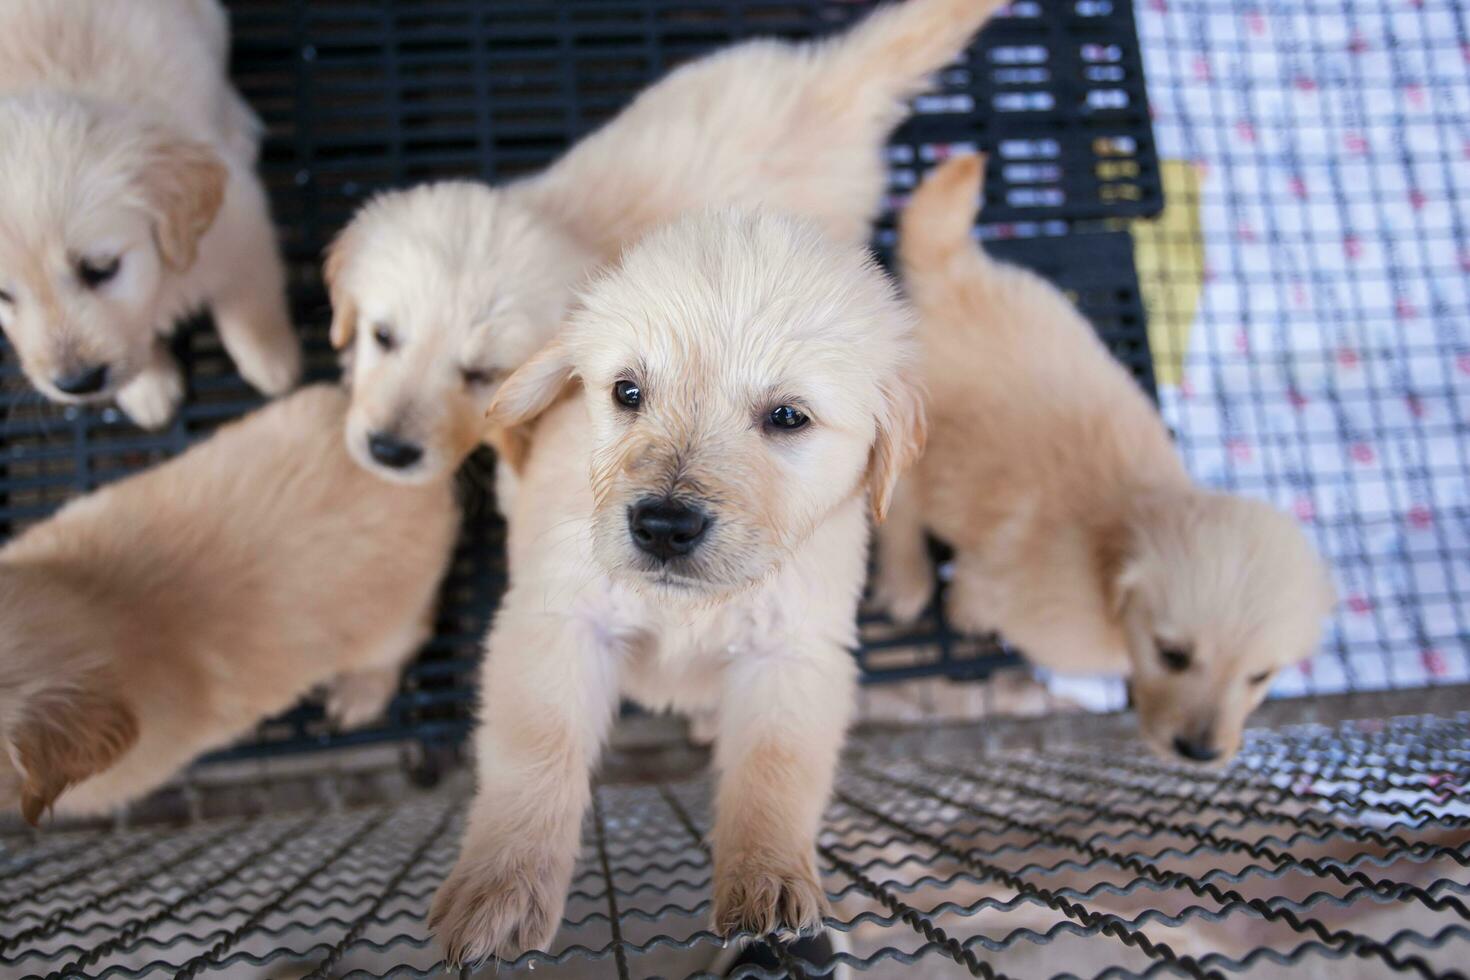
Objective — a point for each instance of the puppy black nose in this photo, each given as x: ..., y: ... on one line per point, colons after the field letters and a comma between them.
x: 1195, y: 751
x: 82, y: 381
x: 666, y: 529
x: 393, y: 452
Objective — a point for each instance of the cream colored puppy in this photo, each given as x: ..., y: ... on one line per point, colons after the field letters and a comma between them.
x: 129, y: 200
x: 711, y: 430
x: 165, y: 615
x: 1077, y: 533
x: 445, y: 288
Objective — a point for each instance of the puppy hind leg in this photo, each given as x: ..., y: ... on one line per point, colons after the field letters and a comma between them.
x: 549, y: 691
x: 357, y: 698
x: 971, y: 603
x: 782, y: 722
x: 905, y: 577
x: 249, y: 299
x: 153, y: 397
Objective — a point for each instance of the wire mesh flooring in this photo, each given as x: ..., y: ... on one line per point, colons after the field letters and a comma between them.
x: 1044, y: 848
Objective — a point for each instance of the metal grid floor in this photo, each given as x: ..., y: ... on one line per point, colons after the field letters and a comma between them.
x: 1039, y: 849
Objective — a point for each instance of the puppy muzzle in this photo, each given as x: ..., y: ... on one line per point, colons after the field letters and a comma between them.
x: 666, y: 529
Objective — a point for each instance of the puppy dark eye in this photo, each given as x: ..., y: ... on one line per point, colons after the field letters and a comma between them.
x: 787, y: 419
x: 628, y: 394
x: 97, y: 272
x: 1258, y: 679
x: 475, y: 377
x: 6, y: 298
x: 1175, y: 658
x: 383, y: 335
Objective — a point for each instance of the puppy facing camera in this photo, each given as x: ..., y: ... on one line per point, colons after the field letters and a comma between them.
x: 704, y: 443
x: 129, y: 201
x: 1078, y: 535
x: 710, y: 462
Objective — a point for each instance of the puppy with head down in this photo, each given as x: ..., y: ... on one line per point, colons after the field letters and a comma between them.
x: 444, y: 289
x: 711, y: 431
x: 129, y: 201
x: 1077, y: 533
x: 168, y: 613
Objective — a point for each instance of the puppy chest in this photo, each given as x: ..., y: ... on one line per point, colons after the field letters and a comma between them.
x: 683, y: 663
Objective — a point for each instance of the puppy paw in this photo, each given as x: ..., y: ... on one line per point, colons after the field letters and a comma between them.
x: 704, y: 727
x: 764, y: 897
x: 966, y: 613
x: 355, y: 699
x: 272, y: 367
x: 153, y: 398
x: 903, y: 593
x: 501, y: 908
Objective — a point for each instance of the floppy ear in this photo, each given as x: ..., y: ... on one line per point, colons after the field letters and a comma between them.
x: 1126, y: 579
x: 530, y: 390
x: 1116, y: 567
x: 344, y: 308
x: 903, y: 427
x: 63, y: 738
x: 183, y: 183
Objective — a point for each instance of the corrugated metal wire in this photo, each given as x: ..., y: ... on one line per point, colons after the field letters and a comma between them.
x: 1054, y: 848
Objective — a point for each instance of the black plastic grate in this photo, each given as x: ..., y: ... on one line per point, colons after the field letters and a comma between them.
x: 1047, y: 849
x: 363, y: 97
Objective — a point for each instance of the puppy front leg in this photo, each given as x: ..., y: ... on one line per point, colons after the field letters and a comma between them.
x: 249, y: 297
x: 548, y: 695
x: 153, y: 397
x: 782, y: 721
x: 905, y: 577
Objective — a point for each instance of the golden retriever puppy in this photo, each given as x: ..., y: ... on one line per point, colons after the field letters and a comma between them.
x: 1077, y: 533
x: 445, y: 288
x: 130, y: 200
x: 712, y: 429
x: 165, y: 615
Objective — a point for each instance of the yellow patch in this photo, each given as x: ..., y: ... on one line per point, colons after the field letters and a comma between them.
x: 1169, y: 253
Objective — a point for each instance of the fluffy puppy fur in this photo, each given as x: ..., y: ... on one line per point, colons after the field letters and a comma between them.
x: 164, y: 615
x: 720, y: 320
x: 1077, y: 533
x: 130, y: 200
x: 445, y: 288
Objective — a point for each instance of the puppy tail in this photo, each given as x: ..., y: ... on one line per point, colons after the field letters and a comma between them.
x: 899, y: 46
x: 60, y: 736
x: 937, y: 222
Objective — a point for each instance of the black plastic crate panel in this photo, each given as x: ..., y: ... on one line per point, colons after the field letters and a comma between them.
x: 361, y: 97
x: 1052, y: 849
